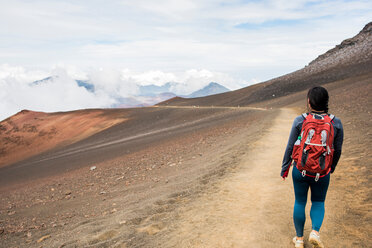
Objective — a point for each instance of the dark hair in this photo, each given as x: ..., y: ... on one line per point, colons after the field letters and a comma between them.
x: 318, y: 98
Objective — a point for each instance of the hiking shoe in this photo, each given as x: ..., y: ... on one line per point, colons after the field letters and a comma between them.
x: 298, y: 243
x: 314, y: 239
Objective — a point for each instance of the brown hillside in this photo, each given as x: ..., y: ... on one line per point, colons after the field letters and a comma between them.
x: 352, y: 58
x: 28, y: 133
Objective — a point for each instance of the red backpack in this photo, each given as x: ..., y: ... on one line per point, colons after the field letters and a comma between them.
x: 313, y: 151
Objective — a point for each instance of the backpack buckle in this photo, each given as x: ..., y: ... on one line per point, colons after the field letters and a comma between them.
x: 328, y: 150
x: 317, y: 177
x: 303, y: 173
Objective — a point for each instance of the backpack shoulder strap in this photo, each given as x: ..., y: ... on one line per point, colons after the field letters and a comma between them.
x: 305, y: 115
x: 330, y: 118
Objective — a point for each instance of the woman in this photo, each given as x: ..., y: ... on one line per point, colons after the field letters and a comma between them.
x: 317, y: 99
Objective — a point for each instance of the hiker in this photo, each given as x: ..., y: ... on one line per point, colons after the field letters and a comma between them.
x: 314, y: 147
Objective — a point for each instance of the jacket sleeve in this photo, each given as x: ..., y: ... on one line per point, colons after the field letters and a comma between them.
x: 295, y: 132
x: 337, y: 143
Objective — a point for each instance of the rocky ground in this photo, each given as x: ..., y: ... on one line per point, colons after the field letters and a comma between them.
x: 123, y: 191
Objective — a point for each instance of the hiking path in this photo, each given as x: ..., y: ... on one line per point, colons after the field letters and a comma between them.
x: 251, y: 206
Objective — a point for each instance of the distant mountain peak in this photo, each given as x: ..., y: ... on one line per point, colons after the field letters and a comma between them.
x: 153, y: 90
x: 211, y: 89
x: 81, y: 83
x: 44, y: 80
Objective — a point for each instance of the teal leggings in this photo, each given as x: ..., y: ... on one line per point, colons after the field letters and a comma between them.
x: 318, y: 194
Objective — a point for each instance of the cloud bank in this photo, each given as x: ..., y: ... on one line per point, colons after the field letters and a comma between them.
x: 25, y: 89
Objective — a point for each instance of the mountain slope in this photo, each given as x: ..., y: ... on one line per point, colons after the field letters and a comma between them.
x: 28, y: 133
x: 352, y: 58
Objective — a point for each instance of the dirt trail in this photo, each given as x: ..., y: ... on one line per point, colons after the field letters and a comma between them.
x: 208, y: 107
x: 250, y: 207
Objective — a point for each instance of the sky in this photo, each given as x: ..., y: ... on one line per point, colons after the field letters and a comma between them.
x: 120, y: 44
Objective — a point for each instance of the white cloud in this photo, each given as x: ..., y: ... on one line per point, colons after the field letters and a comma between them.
x: 113, y: 83
x: 61, y: 93
x: 174, y: 9
x: 151, y: 77
x: 72, y: 71
x: 19, y: 73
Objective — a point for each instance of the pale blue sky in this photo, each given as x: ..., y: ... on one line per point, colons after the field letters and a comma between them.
x: 234, y: 42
